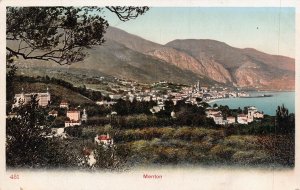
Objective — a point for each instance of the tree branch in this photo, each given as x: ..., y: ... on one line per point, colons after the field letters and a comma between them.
x: 41, y: 57
x: 61, y: 33
x: 130, y: 12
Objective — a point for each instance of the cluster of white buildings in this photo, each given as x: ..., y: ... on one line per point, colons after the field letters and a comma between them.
x: 105, y: 103
x: 206, y: 94
x: 24, y: 98
x: 74, y: 116
x: 129, y: 90
x: 218, y: 118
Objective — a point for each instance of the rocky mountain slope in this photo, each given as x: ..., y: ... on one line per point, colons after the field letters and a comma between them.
x: 170, y: 55
x: 129, y: 56
x: 217, y: 61
x: 247, y: 67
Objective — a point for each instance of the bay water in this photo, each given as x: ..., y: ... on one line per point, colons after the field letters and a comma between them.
x: 268, y: 105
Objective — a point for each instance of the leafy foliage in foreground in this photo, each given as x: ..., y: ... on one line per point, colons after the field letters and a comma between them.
x: 59, y: 34
x: 26, y: 145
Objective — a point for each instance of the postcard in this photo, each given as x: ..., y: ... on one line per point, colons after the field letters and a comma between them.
x: 150, y: 95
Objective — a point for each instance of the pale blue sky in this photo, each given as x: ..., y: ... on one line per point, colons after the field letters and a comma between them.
x: 271, y: 30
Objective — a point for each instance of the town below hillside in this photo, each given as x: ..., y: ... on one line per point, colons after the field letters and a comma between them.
x: 126, y: 124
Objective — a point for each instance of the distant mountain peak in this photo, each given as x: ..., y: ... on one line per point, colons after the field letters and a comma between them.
x: 125, y: 55
x: 216, y: 60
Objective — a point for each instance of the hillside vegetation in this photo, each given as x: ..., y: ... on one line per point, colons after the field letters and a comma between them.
x: 57, y: 92
x: 128, y: 56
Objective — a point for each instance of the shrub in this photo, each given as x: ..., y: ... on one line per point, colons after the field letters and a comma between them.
x: 223, y: 152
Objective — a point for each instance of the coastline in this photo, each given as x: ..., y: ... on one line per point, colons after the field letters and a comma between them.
x: 266, y: 104
x: 215, y: 100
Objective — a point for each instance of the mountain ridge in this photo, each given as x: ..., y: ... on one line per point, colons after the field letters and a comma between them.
x: 125, y: 55
x: 216, y: 60
x: 248, y: 67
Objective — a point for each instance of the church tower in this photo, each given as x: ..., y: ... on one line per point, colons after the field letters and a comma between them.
x: 84, y: 116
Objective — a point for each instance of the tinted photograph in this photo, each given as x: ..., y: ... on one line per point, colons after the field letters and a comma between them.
x: 118, y: 88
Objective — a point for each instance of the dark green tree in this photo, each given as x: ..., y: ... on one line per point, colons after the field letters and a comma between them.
x: 75, y: 131
x: 59, y: 34
x: 26, y: 144
x: 245, y: 110
x: 10, y: 75
x: 285, y: 122
x: 225, y: 111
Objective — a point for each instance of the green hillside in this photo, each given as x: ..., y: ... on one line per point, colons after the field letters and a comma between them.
x: 57, y: 92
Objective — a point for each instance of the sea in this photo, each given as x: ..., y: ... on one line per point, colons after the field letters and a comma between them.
x: 268, y: 105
